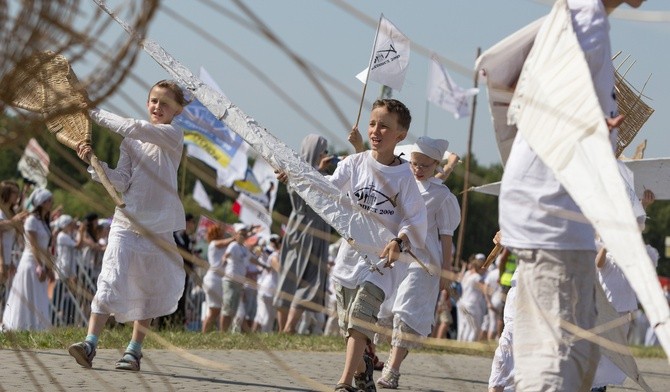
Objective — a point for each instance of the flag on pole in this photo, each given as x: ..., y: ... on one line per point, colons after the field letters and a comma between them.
x: 267, y: 179
x: 204, y: 134
x: 34, y: 164
x: 443, y: 92
x: 200, y: 196
x: 251, y: 212
x: 390, y: 56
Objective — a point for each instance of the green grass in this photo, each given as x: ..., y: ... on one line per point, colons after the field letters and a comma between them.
x: 116, y: 337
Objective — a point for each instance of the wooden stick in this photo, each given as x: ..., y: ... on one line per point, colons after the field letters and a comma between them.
x: 105, y: 181
x: 492, y: 256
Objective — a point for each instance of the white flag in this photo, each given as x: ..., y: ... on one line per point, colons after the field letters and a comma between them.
x: 443, y: 92
x: 34, y: 164
x: 251, y: 212
x: 267, y: 179
x: 390, y: 56
x: 200, y: 196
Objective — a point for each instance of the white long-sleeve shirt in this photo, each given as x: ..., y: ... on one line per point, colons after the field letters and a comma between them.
x: 146, y: 173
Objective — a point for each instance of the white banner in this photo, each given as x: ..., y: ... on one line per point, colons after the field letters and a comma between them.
x: 390, y: 56
x: 200, y: 196
x: 34, y: 164
x: 443, y: 92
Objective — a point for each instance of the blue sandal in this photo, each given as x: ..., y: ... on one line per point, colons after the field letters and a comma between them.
x: 129, y: 361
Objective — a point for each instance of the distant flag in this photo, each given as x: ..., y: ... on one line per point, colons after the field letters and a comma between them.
x: 390, y: 56
x: 443, y: 92
x: 251, y: 212
x: 34, y: 164
x: 206, y: 135
x: 200, y: 196
x: 267, y: 179
x: 251, y: 187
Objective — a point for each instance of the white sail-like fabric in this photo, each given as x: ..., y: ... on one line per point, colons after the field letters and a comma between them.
x: 556, y: 110
x: 353, y: 223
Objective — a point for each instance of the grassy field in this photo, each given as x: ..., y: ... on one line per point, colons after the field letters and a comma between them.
x: 61, y: 338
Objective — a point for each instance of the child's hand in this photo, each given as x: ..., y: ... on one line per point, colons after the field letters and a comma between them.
x: 614, y: 122
x: 84, y: 152
x: 648, y: 198
x: 391, y: 253
x: 281, y: 176
x: 356, y: 139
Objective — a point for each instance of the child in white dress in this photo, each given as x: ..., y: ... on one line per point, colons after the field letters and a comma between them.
x: 142, y: 273
x: 410, y: 311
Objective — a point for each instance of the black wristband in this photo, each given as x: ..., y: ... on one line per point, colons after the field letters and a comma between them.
x: 399, y: 242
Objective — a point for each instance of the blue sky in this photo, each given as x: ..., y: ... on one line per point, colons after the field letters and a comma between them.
x: 337, y: 36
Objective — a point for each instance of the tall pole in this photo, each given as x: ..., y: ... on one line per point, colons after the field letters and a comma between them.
x: 466, y: 177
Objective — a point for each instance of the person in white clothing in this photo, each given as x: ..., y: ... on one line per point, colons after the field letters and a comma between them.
x: 410, y: 311
x: 212, y: 282
x: 381, y: 183
x: 494, y: 304
x: 11, y: 223
x: 619, y: 293
x: 142, y: 273
x: 27, y: 306
x: 67, y: 244
x: 235, y: 261
x: 266, y: 313
x: 555, y: 252
x: 471, y: 306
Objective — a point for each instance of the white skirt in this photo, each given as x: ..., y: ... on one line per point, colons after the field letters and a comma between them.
x: 140, y: 279
x: 27, y: 307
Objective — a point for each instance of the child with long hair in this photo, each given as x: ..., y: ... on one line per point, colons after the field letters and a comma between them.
x: 142, y: 273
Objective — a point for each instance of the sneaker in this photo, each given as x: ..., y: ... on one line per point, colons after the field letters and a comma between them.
x: 389, y: 378
x: 83, y: 353
x: 365, y: 381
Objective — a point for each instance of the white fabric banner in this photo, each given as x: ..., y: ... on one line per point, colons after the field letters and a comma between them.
x: 254, y: 213
x: 443, y: 92
x: 34, y: 164
x: 200, y: 196
x: 267, y: 179
x: 390, y: 56
x: 558, y: 113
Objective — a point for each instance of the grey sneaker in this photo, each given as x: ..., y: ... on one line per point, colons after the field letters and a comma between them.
x: 83, y: 353
x: 389, y: 378
x: 365, y: 381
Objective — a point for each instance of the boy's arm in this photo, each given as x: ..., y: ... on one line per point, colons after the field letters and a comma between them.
x: 356, y: 139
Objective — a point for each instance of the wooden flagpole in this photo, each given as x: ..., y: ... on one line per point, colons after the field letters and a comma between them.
x: 367, y: 76
x: 466, y: 177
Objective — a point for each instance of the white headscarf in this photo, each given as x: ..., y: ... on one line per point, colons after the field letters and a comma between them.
x: 37, y: 198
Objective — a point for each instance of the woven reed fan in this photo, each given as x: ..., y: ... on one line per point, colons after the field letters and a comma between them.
x: 45, y: 83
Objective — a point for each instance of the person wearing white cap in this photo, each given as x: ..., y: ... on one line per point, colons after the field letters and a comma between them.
x: 410, y: 311
x: 66, y: 265
x: 236, y: 258
x: 28, y: 303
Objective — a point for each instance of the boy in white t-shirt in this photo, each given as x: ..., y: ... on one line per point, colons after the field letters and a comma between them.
x: 381, y: 183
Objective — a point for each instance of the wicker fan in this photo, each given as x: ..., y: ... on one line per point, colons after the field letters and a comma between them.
x: 46, y: 84
x: 637, y: 112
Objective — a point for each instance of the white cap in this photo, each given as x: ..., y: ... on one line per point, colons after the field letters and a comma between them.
x: 434, y: 148
x: 239, y: 227
x: 62, y: 221
x: 480, y: 256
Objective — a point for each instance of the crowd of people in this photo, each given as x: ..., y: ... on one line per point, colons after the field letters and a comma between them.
x: 141, y: 265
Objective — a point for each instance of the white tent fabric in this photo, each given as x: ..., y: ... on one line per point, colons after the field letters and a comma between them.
x: 556, y: 110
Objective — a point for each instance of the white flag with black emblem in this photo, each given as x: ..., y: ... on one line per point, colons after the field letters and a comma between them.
x: 390, y: 56
x: 443, y: 92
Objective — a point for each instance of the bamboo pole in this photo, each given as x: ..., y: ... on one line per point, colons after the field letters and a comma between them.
x: 466, y: 177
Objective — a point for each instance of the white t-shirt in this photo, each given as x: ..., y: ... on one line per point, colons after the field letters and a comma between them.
x: 536, y: 212
x: 268, y: 278
x: 237, y: 256
x: 65, y: 253
x: 388, y: 192
x: 215, y: 256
